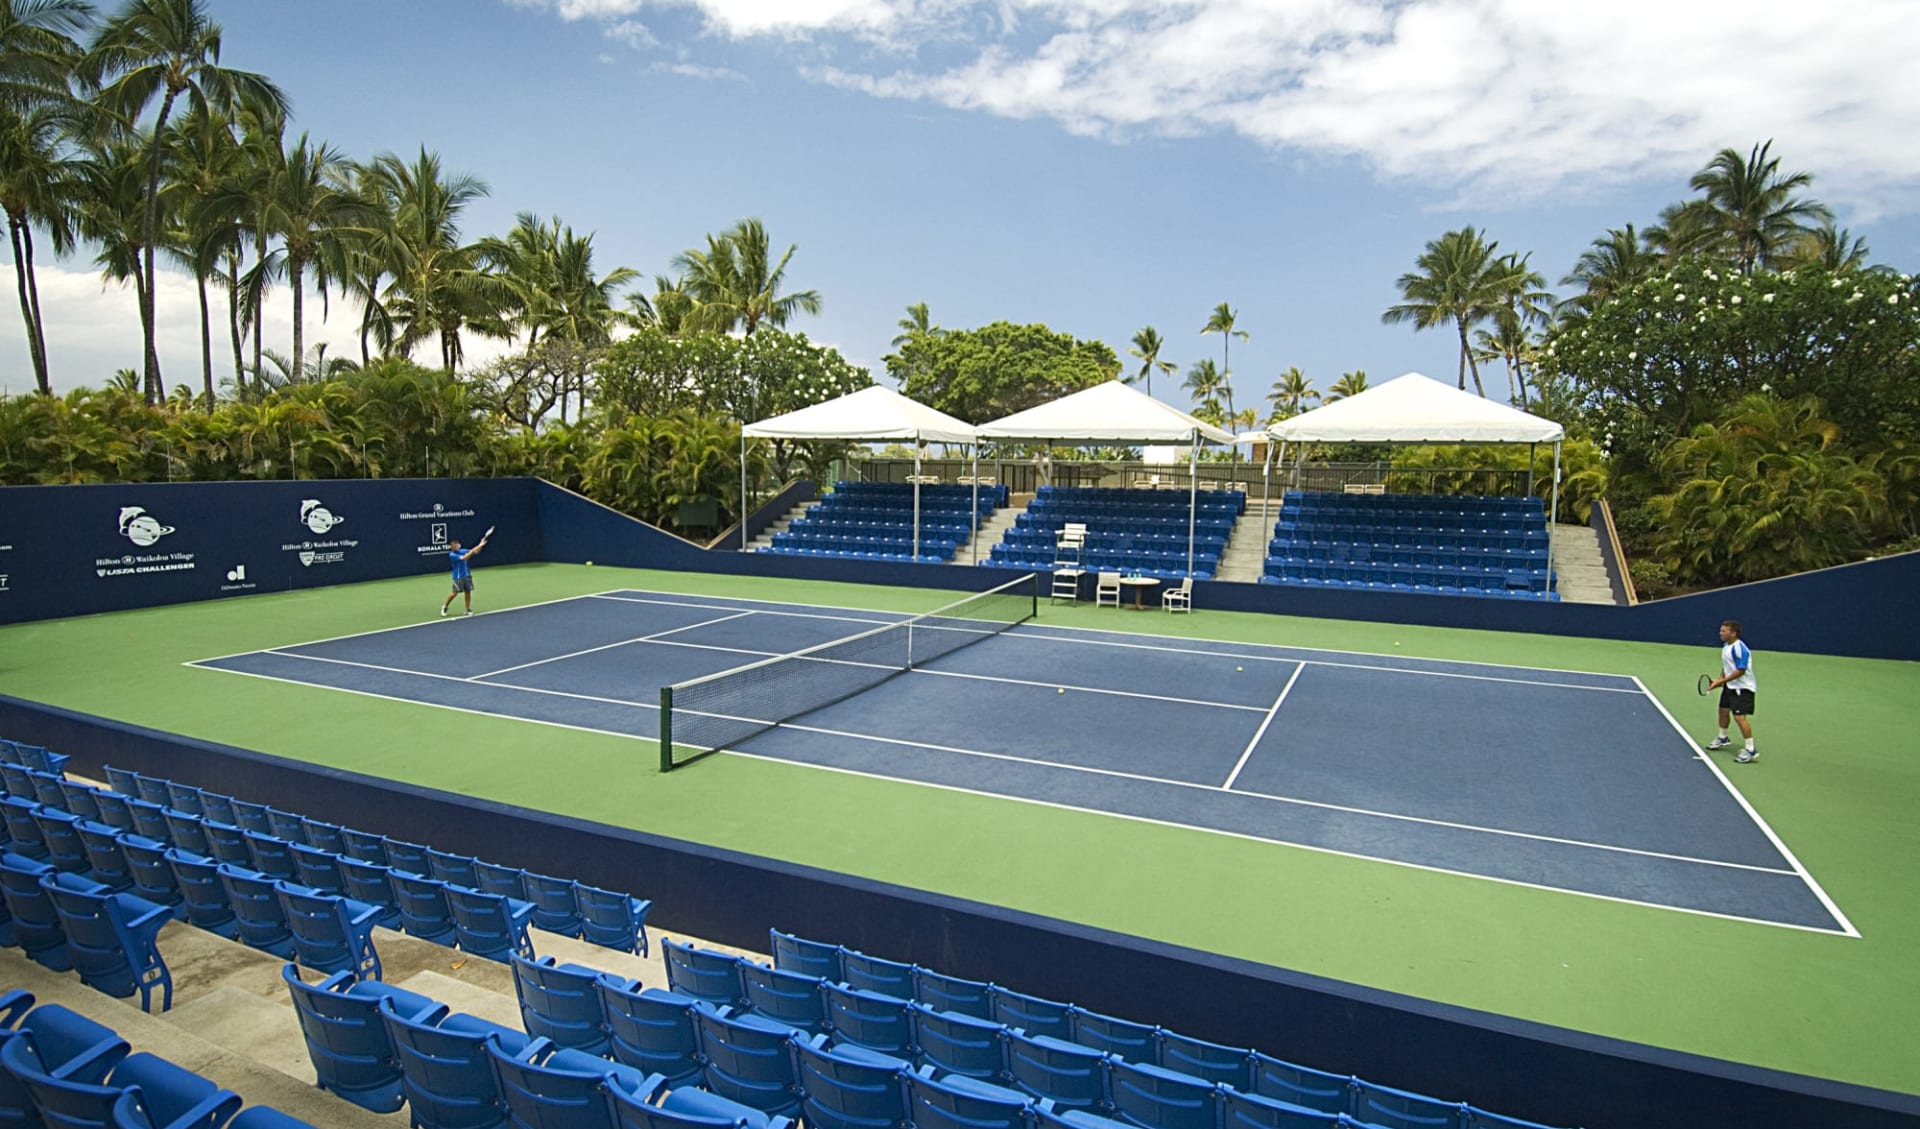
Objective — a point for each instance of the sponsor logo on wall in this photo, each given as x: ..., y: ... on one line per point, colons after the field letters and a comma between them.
x: 439, y: 515
x: 145, y: 531
x: 237, y: 580
x: 320, y: 521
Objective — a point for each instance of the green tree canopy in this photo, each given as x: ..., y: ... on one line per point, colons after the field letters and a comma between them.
x: 996, y: 370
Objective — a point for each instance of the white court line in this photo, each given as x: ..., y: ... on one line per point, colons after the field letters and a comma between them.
x: 904, y: 616
x: 1247, y: 753
x: 1292, y: 801
x: 605, y: 646
x: 1333, y: 851
x: 1778, y: 843
x: 400, y: 627
x: 639, y: 705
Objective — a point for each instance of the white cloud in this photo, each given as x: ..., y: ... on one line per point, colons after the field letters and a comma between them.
x: 1490, y: 99
x: 695, y: 70
x: 93, y: 330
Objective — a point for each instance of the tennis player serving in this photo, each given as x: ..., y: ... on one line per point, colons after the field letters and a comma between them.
x: 1736, y: 690
x: 463, y: 571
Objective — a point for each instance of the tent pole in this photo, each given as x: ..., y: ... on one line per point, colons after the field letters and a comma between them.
x: 973, y: 522
x: 743, y: 487
x: 1553, y: 513
x: 916, y: 498
x: 1266, y: 480
x: 1193, y: 496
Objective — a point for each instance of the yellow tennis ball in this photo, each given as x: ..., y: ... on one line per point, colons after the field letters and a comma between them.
x: 589, y: 564
x: 1062, y: 690
x: 1239, y: 668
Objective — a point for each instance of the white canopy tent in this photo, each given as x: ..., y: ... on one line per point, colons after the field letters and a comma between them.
x: 1414, y: 408
x: 874, y: 414
x: 1113, y: 413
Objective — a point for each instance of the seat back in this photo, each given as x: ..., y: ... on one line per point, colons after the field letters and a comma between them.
x: 286, y: 825
x: 848, y: 1088
x: 1389, y: 1108
x: 325, y: 837
x: 1302, y: 1085
x: 962, y: 1104
x: 559, y: 1002
x: 1131, y: 1041
x: 454, y: 870
x: 158, y: 1093
x: 1073, y: 1076
x: 218, y: 807
x: 202, y: 892
x: 317, y: 869
x: 748, y: 1060
x: 489, y: 925
x: 1032, y: 1014
x: 612, y: 919
x: 874, y: 974
x: 251, y: 817
x: 150, y: 821
x: 114, y: 811
x: 364, y: 845
x: 23, y: 833
x: 371, y: 883
x: 77, y: 799
x: 1147, y: 1096
x: 808, y: 958
x: 1227, y: 1066
x: 106, y: 861
x: 446, y: 1076
x: 424, y: 912
x: 544, y: 1086
x: 60, y: 1102
x: 270, y: 855
x: 256, y: 906
x: 123, y: 781
x: 152, y: 876
x: 59, y: 832
x: 154, y: 790
x: 227, y: 843
x: 1251, y: 1111
x: 186, y: 832
x: 785, y: 997
x: 36, y: 924
x: 703, y: 974
x: 650, y: 1030
x: 872, y: 1020
x: 410, y: 857
x: 111, y: 938
x: 352, y: 1054
x: 950, y: 993
x: 184, y: 797
x: 330, y: 933
x: 953, y: 1043
x: 507, y: 881
x: 555, y: 909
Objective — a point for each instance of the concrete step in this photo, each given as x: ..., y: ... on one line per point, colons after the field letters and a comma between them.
x: 989, y: 535
x: 780, y: 525
x: 1246, y: 552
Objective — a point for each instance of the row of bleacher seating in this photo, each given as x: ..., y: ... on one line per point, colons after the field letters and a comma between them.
x: 1408, y: 536
x: 994, y: 1058
x: 1442, y: 545
x: 1119, y: 502
x: 875, y: 521
x: 60, y: 1068
x: 1141, y: 531
x: 1475, y: 504
x: 1521, y: 584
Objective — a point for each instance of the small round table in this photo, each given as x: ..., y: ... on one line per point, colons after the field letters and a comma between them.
x: 1139, y: 584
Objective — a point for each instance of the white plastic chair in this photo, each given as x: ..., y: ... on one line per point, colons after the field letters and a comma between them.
x: 1178, y: 598
x: 1107, y: 590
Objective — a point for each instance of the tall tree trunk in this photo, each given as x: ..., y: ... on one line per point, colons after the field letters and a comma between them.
x: 206, y: 339
x: 33, y: 296
x: 1461, y: 323
x: 149, y: 232
x: 1473, y: 366
x: 233, y: 315
x: 295, y: 269
x: 259, y: 302
x: 26, y: 307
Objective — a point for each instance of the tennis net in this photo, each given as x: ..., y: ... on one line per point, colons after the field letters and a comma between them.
x: 706, y: 715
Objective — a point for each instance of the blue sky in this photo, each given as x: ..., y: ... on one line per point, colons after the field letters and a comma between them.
x: 1097, y: 165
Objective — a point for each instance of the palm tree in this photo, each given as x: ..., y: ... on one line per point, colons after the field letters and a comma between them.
x: 165, y: 49
x: 1524, y: 303
x: 1350, y: 384
x: 550, y: 271
x: 1205, y: 382
x: 1146, y: 349
x: 308, y: 204
x: 39, y: 50
x: 736, y: 285
x: 439, y: 286
x: 1459, y: 280
x: 1614, y: 261
x: 1291, y: 393
x: 1829, y: 248
x: 1221, y: 322
x: 916, y: 325
x: 1749, y: 201
x: 205, y: 158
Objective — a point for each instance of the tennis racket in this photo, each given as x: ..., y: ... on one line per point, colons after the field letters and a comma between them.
x: 489, y: 533
x: 1704, y: 685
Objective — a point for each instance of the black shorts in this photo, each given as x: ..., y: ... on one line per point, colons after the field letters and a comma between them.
x: 1736, y: 701
x: 463, y: 584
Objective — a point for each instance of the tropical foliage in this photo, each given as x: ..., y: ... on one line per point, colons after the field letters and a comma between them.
x: 998, y: 369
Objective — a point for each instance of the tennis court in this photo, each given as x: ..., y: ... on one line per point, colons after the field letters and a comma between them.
x: 1561, y: 780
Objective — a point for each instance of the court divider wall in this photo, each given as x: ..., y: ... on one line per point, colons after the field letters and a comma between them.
x: 1510, y: 1066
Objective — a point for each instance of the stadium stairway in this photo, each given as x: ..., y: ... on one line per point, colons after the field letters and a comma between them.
x: 996, y: 526
x: 765, y: 540
x: 1246, y: 552
x: 1579, y: 567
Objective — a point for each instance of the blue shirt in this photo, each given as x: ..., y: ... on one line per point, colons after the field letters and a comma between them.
x: 461, y: 569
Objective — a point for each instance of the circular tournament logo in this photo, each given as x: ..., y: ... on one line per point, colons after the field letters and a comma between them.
x: 141, y: 527
x: 317, y: 517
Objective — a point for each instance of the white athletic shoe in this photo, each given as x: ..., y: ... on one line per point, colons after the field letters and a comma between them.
x: 1747, y: 756
x: 1719, y: 743
x: 469, y: 611
x: 443, y: 611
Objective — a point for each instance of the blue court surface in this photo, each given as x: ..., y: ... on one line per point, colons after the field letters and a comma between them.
x: 1578, y: 782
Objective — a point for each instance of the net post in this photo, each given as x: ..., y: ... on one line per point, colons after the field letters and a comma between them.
x: 666, y: 729
x: 1033, y: 610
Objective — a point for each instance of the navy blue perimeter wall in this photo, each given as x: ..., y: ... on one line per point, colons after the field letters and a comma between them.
x: 1522, y: 1069
x: 73, y: 550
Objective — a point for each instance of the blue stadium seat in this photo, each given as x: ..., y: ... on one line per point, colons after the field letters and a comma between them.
x: 121, y: 780
x: 611, y: 919
x: 153, y: 789
x: 555, y: 908
x: 560, y: 1003
x: 112, y: 938
x: 162, y: 1095
x: 424, y: 912
x: 353, y: 1056
x: 1150, y: 1097
x: 445, y: 1072
x: 408, y: 857
x: 363, y: 845
x: 330, y: 933
x: 152, y: 875
x: 953, y: 1043
x: 490, y: 925
x: 59, y: 831
x: 227, y: 843
x: 748, y: 1059
x: 507, y: 881
x: 872, y: 974
x: 23, y: 834
x: 873, y: 1020
x: 184, y: 797
x: 106, y: 858
x: 848, y: 1087
x: 546, y: 1086
x: 704, y: 974
x: 1301, y: 1085
x: 286, y: 825
x: 249, y: 816
x: 1251, y: 1111
x: 202, y: 893
x: 53, y: 1041
x: 785, y: 997
x: 1032, y: 1014
x: 36, y: 924
x: 270, y: 855
x: 650, y: 1030
x: 687, y: 1108
x: 959, y: 1102
x: 454, y: 870
x: 267, y: 1117
x: 317, y: 869
x: 256, y: 907
x: 325, y: 837
x: 1225, y: 1066
x: 1389, y: 1108
x: 1069, y: 1075
x: 950, y: 993
x: 77, y: 799
x: 150, y: 821
x: 114, y: 811
x: 1132, y: 1041
x: 170, y: 1096
x: 371, y: 883
x: 808, y: 958
x: 218, y: 807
